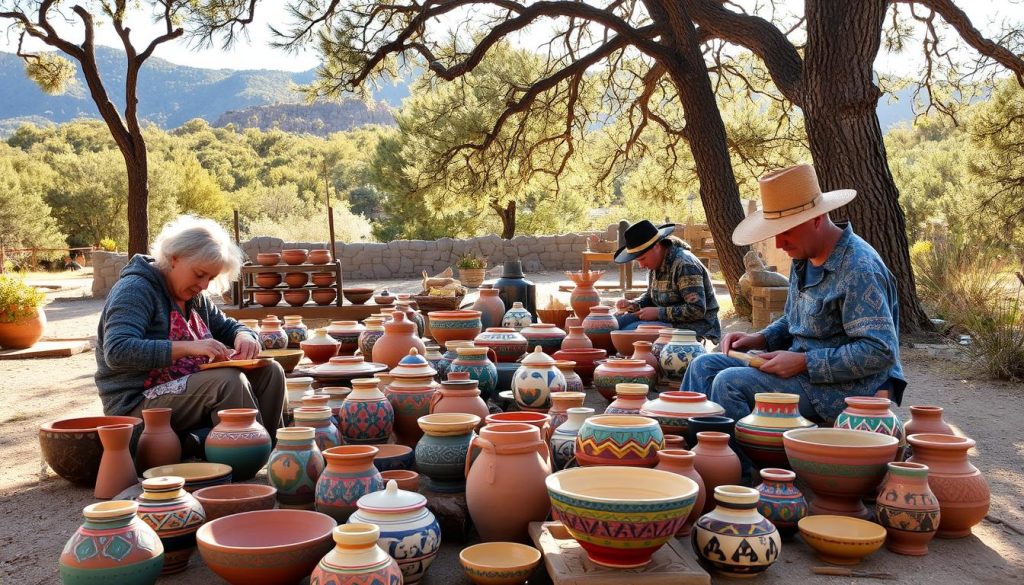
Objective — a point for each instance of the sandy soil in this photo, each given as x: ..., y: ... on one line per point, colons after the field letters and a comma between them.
x: 39, y: 510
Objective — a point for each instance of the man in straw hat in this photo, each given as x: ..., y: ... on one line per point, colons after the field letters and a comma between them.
x: 679, y: 293
x: 838, y: 336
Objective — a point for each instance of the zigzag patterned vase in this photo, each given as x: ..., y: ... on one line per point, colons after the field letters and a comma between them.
x: 613, y: 439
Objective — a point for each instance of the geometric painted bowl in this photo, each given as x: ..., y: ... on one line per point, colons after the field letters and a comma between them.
x: 619, y: 439
x: 621, y: 515
x: 392, y: 457
x: 841, y: 540
x: 499, y: 563
x: 72, y: 448
x: 841, y: 466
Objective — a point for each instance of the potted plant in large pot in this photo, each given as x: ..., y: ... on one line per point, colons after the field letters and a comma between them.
x: 22, y: 320
x: 472, y: 269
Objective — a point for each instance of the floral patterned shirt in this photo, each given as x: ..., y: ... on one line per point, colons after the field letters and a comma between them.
x: 172, y: 379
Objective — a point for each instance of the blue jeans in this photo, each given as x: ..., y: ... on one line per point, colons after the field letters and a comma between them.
x: 629, y: 322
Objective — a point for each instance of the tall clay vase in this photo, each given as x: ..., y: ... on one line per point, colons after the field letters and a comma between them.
x: 117, y: 471
x: 349, y: 475
x: 399, y: 337
x: 759, y: 433
x: 584, y: 295
x: 961, y: 489
x: 563, y: 439
x: 561, y: 402
x: 491, y: 308
x: 907, y: 508
x: 576, y: 339
x: 459, y: 396
x: 510, y: 467
x: 680, y: 462
x: 642, y: 352
x: 870, y: 413
x: 356, y: 559
x: 781, y: 501
x: 112, y: 546
x: 734, y: 539
x: 295, y: 466
x: 598, y: 326
x: 716, y: 463
x: 159, y: 444
x: 367, y: 416
x: 239, y: 441
x: 175, y: 515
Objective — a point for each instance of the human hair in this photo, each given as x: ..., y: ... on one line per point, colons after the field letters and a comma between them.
x: 673, y: 240
x: 201, y: 240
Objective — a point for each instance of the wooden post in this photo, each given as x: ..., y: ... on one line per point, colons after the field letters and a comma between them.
x: 330, y: 227
x: 238, y: 241
x: 33, y: 260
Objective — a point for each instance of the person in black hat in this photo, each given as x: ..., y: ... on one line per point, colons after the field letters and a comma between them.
x: 679, y: 290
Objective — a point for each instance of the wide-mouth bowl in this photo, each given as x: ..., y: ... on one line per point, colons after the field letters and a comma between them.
x: 621, y: 421
x: 266, y: 531
x: 839, y: 440
x: 843, y: 529
x: 231, y: 493
x: 192, y: 471
x: 87, y: 423
x: 615, y: 486
x: 448, y: 423
x: 392, y: 451
x: 500, y: 556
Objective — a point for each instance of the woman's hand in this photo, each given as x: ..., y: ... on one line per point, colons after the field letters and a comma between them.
x: 212, y: 349
x: 246, y: 348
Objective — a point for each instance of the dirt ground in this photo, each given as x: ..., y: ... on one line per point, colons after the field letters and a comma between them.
x: 39, y: 510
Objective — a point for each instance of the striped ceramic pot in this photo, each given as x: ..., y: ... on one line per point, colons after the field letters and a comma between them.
x: 508, y: 344
x: 780, y: 500
x: 357, y: 559
x: 614, y: 439
x: 112, y: 546
x: 598, y: 326
x: 869, y: 413
x: 544, y: 335
x: 239, y: 441
x: 175, y: 515
x: 759, y: 433
x: 614, y: 371
x: 349, y: 475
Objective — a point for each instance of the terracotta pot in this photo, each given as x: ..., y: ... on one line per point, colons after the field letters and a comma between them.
x: 927, y: 419
x: 561, y: 402
x: 357, y: 295
x: 624, y: 341
x: 410, y: 392
x: 585, y: 361
x: 295, y: 329
x: 459, y: 396
x: 175, y: 515
x: 869, y: 413
x: 598, y: 326
x: 407, y: 480
x: 716, y: 463
x: 448, y: 326
x: 224, y: 500
x: 357, y: 559
x: 536, y: 380
x: 295, y: 466
x: 349, y: 475
x: 619, y: 440
x: 907, y: 508
x: 516, y: 317
x: 320, y: 347
x: 159, y: 444
x: 296, y: 279
x: 543, y: 335
x: 677, y: 354
x: 112, y: 546
x: 239, y: 441
x: 474, y: 361
x: 563, y: 439
x: 268, y: 279
x: 499, y: 563
x: 680, y: 462
x: 294, y: 256
x: 961, y: 489
x: 408, y: 530
x: 367, y: 416
x: 614, y: 371
x: 324, y: 296
x: 319, y: 256
x: 735, y: 539
x: 442, y: 450
x: 759, y: 433
x: 508, y: 344
x: 491, y: 308
x: 584, y: 295
x: 538, y: 419
x: 781, y: 501
x: 576, y: 339
x: 117, y: 471
x: 268, y: 259
x: 511, y: 466
x: 326, y: 434
x: 642, y: 351
x: 296, y: 298
x: 629, y: 398
x: 323, y: 278
x: 672, y: 409
x: 267, y: 298
x: 399, y: 337
x: 573, y: 382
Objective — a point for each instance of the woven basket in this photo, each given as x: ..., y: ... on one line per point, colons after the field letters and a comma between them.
x: 429, y: 303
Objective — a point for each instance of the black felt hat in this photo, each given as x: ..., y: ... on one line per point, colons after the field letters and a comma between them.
x: 640, y: 237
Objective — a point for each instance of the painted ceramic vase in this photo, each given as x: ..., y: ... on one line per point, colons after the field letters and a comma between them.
x: 239, y: 441
x: 411, y: 389
x: 563, y: 439
x: 517, y: 317
x: 409, y: 532
x: 546, y: 336
x: 664, y: 336
x: 158, y: 444
x: 629, y: 399
x: 759, y: 433
x: 356, y: 559
x: 584, y: 296
x: 320, y: 347
x: 716, y: 463
x: 272, y: 336
x: 510, y: 467
x: 347, y: 334
x: 368, y: 338
x: 678, y: 353
x: 585, y: 360
x: 535, y: 381
x: 318, y: 418
x: 441, y: 453
x: 961, y: 489
x: 294, y: 467
x: 598, y: 326
x: 561, y: 402
x: 907, y: 508
x: 367, y: 417
x: 449, y: 355
x: 175, y: 515
x: 734, y: 539
x: 614, y: 439
x: 672, y: 408
x: 491, y: 308
x: 295, y: 329
x: 459, y: 396
x: 780, y: 500
x: 680, y: 462
x: 475, y: 362
x: 869, y: 413
x: 399, y: 337
x: 573, y: 382
x: 614, y: 371
x: 508, y: 344
x: 448, y: 326
x: 349, y: 475
x: 112, y: 546
x: 576, y: 339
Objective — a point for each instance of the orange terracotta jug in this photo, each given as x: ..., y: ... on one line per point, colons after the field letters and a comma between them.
x: 399, y: 337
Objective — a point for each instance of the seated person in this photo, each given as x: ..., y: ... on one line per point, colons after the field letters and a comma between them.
x: 838, y: 336
x: 679, y: 291
x: 158, y: 326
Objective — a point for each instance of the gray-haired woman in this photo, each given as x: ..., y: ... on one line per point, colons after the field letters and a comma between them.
x: 158, y: 326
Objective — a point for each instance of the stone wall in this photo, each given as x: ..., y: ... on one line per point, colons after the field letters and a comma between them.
x: 106, y: 269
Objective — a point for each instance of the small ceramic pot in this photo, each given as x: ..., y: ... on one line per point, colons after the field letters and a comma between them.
x: 619, y: 440
x: 907, y: 508
x: 294, y: 467
x: 780, y: 500
x: 357, y: 559
x: 349, y: 475
x: 319, y: 256
x: 239, y: 441
x: 268, y: 259
x: 734, y: 539
x: 324, y: 296
x: 112, y: 546
x: 294, y: 256
x: 296, y: 279
x: 517, y: 317
x: 175, y: 515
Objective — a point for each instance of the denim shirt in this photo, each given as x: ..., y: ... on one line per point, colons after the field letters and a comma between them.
x: 681, y: 288
x: 847, y: 322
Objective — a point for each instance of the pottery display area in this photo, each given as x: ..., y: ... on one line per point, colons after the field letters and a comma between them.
x: 523, y: 441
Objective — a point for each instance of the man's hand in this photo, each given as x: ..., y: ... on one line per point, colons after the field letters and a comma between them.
x: 743, y: 341
x: 622, y: 304
x: 784, y: 364
x: 246, y: 348
x: 648, y: 314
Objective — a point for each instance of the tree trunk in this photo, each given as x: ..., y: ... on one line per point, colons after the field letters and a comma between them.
x: 138, y: 203
x: 508, y: 218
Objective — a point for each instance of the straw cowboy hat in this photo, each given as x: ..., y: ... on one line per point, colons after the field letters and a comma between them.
x: 789, y: 197
x: 639, y: 238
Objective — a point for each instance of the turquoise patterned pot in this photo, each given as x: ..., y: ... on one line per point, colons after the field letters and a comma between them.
x: 473, y: 360
x: 869, y: 413
x: 295, y: 466
x: 349, y: 475
x: 619, y: 439
x: 780, y: 501
x: 441, y: 453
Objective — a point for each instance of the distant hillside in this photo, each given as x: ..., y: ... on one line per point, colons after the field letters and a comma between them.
x: 318, y: 119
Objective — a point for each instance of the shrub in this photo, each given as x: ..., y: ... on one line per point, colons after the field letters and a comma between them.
x: 18, y: 300
x: 470, y: 261
x: 108, y: 245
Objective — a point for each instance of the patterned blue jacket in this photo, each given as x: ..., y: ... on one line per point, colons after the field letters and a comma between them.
x: 681, y: 289
x: 847, y: 323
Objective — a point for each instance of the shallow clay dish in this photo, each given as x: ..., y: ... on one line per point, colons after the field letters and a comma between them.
x: 288, y: 358
x: 234, y: 498
x: 841, y: 540
x: 198, y: 474
x: 499, y: 563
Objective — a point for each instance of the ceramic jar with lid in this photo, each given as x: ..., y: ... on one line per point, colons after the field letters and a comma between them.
x: 409, y: 532
x: 677, y: 354
x: 535, y: 380
x: 320, y: 347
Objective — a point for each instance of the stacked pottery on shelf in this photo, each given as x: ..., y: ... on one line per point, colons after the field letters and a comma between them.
x: 734, y: 539
x: 348, y: 476
x: 175, y: 515
x: 759, y: 433
x: 367, y: 417
x: 907, y: 508
x: 114, y: 546
x: 410, y: 392
x: 563, y: 439
x: 294, y: 467
x: 536, y: 380
x: 239, y: 441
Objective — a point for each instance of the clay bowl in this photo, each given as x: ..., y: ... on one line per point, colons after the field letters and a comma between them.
x: 623, y: 340
x: 841, y: 540
x: 197, y: 474
x: 324, y: 296
x: 323, y: 278
x: 320, y: 353
x: 556, y: 317
x: 296, y: 298
x: 319, y: 256
x: 268, y: 259
x: 268, y: 279
x: 394, y: 457
x: 267, y: 298
x: 296, y: 279
x: 266, y: 547
x: 406, y: 480
x: 234, y: 498
x: 585, y: 361
x: 288, y: 358
x: 357, y: 295
x: 72, y: 448
x: 448, y: 326
x: 619, y: 439
x: 499, y: 563
x: 649, y: 504
x: 384, y: 299
x: 294, y: 256
x: 841, y: 466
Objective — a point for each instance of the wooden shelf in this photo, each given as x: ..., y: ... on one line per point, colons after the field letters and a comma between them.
x: 245, y: 286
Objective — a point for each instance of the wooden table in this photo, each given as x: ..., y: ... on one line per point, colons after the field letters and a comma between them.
x: 625, y: 270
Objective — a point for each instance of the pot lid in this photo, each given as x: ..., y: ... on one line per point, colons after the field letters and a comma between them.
x: 391, y: 500
x: 348, y: 365
x: 298, y: 381
x: 413, y: 365
x: 538, y: 358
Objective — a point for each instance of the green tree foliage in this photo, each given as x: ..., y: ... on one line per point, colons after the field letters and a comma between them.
x: 25, y: 218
